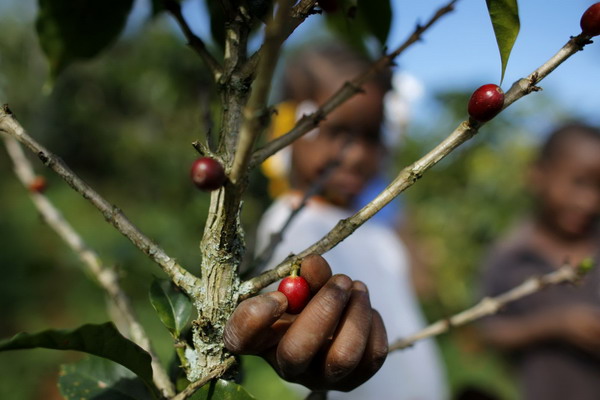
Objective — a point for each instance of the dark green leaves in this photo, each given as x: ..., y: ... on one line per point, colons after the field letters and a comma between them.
x: 173, y: 307
x: 505, y: 19
x: 99, y: 378
x: 377, y: 17
x: 222, y: 390
x: 357, y: 20
x: 71, y: 30
x: 101, y: 340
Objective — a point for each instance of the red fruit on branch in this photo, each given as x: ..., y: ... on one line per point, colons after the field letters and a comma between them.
x: 207, y: 174
x: 38, y: 184
x: 590, y: 21
x: 297, y: 291
x: 486, y: 102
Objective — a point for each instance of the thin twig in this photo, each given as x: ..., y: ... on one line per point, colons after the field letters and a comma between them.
x: 256, y: 114
x: 106, y: 277
x: 194, y: 41
x: 349, y: 89
x: 179, y: 275
x: 491, y: 305
x: 215, y: 373
x: 409, y: 175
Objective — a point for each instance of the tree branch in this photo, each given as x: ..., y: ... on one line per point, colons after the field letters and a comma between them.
x: 409, y: 175
x: 215, y: 373
x: 106, y: 278
x: 194, y: 41
x: 489, y: 306
x: 349, y: 89
x: 256, y: 114
x: 179, y: 275
x: 298, y: 15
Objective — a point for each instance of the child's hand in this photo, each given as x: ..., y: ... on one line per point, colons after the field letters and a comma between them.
x: 336, y: 343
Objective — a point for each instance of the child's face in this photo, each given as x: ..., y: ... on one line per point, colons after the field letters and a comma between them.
x: 350, y: 134
x: 568, y: 187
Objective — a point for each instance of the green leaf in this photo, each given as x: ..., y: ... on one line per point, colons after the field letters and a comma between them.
x: 99, y: 378
x: 158, y: 6
x: 348, y: 27
x: 172, y: 305
x: 217, y: 22
x: 505, y: 19
x: 102, y: 340
x: 359, y: 20
x: 222, y: 390
x: 377, y: 17
x: 70, y: 30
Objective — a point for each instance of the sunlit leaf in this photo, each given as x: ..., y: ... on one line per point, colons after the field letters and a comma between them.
x: 173, y: 306
x: 102, y: 340
x: 99, y: 378
x: 505, y: 19
x: 70, y: 30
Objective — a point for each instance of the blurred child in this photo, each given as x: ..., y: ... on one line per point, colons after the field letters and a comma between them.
x: 337, y: 160
x: 554, y: 335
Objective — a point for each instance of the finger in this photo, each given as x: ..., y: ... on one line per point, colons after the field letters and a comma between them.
x: 316, y: 271
x: 313, y: 327
x: 352, y: 334
x: 248, y: 329
x: 374, y: 356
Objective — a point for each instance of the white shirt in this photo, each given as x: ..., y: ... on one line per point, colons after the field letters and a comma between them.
x: 374, y: 255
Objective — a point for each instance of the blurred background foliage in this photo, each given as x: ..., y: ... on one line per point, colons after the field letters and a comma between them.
x: 125, y: 122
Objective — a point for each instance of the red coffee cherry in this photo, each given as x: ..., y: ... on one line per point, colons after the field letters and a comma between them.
x: 486, y: 102
x: 38, y: 184
x: 207, y: 174
x: 590, y: 20
x: 297, y: 291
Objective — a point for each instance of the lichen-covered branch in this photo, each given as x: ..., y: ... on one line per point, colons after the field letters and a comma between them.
x: 256, y: 113
x: 491, y: 305
x: 106, y: 278
x: 409, y: 175
x: 179, y: 275
x: 194, y: 41
x: 349, y: 89
x: 214, y: 374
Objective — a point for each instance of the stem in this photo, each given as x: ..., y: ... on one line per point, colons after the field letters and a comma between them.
x: 105, y: 277
x: 489, y: 306
x: 215, y: 373
x: 299, y: 13
x: 179, y: 275
x: 194, y: 41
x: 256, y: 114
